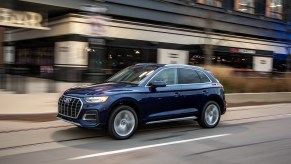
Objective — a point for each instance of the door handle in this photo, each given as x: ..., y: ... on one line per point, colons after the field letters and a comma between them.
x: 204, y: 91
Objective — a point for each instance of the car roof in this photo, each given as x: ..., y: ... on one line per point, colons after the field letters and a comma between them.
x: 183, y: 66
x: 150, y: 64
x: 170, y: 65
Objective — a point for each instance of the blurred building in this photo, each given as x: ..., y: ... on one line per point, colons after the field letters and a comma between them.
x: 80, y: 39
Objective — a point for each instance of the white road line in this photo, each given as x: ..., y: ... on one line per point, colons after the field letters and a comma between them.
x: 146, y: 147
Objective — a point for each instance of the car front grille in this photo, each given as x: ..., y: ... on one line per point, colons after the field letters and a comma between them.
x: 69, y: 106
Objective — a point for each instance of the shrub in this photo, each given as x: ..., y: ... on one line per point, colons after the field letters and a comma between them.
x: 235, y: 81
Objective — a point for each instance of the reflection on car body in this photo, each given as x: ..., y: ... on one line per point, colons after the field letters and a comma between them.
x: 145, y: 94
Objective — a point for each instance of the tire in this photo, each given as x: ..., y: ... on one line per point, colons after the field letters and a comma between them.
x: 210, y: 115
x: 122, y: 122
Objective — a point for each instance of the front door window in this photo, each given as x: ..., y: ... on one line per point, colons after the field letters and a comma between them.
x: 167, y: 75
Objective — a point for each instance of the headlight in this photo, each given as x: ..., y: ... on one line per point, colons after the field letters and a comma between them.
x: 96, y: 99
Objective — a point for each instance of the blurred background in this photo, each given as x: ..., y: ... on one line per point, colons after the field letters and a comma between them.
x: 50, y: 45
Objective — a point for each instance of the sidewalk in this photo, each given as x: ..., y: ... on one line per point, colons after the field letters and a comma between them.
x: 38, y: 102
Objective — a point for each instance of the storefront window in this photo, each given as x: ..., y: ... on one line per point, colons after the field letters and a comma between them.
x: 246, y: 6
x: 119, y: 58
x: 37, y: 60
x: 35, y: 56
x: 234, y: 60
x: 227, y: 59
x: 274, y: 9
x: 216, y: 3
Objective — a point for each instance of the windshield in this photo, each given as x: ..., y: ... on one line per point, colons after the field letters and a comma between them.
x: 133, y: 74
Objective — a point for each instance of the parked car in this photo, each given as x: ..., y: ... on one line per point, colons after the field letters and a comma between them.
x: 145, y: 94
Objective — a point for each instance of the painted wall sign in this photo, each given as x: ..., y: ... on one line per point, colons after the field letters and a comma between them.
x: 97, y: 23
x: 168, y: 56
x: 94, y: 8
x: 243, y: 51
x: 25, y: 19
x: 262, y: 64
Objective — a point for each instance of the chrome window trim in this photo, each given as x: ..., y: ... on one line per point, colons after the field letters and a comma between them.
x: 79, y: 110
x: 173, y: 119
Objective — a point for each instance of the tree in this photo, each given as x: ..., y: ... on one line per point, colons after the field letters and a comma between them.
x: 287, y: 17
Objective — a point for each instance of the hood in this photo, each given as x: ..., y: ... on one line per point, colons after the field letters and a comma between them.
x: 97, y: 89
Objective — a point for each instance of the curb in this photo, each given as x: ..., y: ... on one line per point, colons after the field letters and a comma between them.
x: 265, y: 97
x: 45, y: 117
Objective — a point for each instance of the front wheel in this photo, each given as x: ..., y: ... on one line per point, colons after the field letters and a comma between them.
x: 210, y: 115
x: 122, y: 122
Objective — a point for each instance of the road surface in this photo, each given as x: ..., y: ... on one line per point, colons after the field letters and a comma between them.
x: 248, y: 135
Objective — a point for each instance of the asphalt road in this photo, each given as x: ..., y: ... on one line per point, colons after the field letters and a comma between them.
x: 248, y: 135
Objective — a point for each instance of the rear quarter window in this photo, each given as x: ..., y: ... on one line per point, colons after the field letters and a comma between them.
x: 188, y: 76
x: 211, y: 76
x: 203, y: 77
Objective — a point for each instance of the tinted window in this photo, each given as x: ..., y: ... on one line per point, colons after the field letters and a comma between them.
x: 203, y: 77
x: 167, y: 75
x: 188, y: 76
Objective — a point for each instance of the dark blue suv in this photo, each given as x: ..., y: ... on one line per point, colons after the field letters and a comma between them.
x: 145, y: 94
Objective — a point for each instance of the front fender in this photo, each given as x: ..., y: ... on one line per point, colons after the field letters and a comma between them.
x: 125, y: 101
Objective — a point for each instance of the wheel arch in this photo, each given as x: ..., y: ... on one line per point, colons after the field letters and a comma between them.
x: 125, y: 101
x: 219, y: 101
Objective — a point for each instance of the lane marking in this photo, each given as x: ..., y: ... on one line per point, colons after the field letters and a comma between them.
x: 146, y: 147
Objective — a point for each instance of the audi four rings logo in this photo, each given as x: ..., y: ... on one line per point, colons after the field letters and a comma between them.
x: 67, y: 100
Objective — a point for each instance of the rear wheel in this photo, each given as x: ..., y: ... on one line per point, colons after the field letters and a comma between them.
x: 210, y: 115
x: 122, y: 122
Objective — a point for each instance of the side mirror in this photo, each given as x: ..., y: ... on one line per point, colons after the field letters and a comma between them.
x: 159, y: 83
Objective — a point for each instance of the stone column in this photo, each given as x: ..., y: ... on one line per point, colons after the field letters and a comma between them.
x: 2, y: 70
x: 71, y: 60
x: 1, y: 46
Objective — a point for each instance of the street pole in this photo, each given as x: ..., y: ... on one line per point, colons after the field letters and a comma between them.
x: 96, y: 43
x: 288, y: 59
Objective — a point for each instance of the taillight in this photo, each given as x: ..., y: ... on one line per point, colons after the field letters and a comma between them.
x: 217, y: 84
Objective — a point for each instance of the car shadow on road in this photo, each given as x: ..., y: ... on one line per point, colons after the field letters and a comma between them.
x: 76, y: 133
x: 66, y: 136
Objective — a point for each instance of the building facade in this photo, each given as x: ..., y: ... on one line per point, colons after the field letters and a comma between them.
x: 83, y: 39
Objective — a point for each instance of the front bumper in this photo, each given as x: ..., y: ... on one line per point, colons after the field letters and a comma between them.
x: 80, y: 122
x: 77, y: 124
x: 73, y: 109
